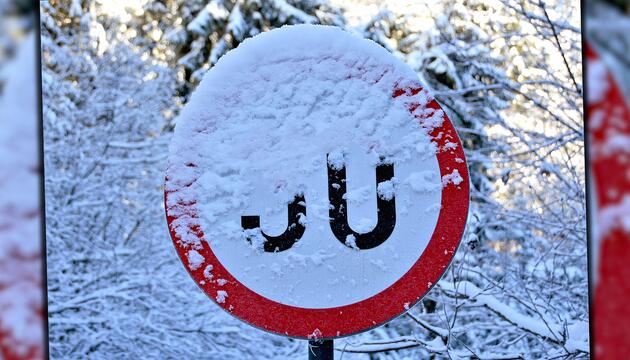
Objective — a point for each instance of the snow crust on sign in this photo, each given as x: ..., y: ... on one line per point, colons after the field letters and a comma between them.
x: 257, y: 132
x: 597, y: 81
x: 615, y: 216
x: 195, y: 259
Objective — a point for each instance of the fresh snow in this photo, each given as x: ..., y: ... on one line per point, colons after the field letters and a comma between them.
x: 453, y: 178
x: 541, y: 324
x: 262, y: 127
x: 614, y: 216
x: 195, y: 260
x: 597, y: 81
x: 221, y: 296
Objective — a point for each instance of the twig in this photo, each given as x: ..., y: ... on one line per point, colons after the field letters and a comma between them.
x: 564, y: 57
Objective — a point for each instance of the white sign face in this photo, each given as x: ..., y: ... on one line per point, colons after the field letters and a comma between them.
x: 309, y: 169
x: 319, y: 271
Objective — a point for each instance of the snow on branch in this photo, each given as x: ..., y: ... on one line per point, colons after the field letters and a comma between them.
x: 291, y: 10
x: 542, y: 327
x: 213, y: 11
x: 435, y: 346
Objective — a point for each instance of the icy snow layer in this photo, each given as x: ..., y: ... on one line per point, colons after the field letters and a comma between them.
x: 20, y: 265
x: 597, y: 81
x: 257, y: 132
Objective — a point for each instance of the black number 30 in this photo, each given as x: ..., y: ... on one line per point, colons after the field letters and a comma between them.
x: 338, y: 213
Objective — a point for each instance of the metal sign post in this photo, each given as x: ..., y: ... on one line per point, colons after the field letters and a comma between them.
x: 321, y: 350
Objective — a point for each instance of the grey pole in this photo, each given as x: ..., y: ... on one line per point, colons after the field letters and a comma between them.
x: 320, y: 350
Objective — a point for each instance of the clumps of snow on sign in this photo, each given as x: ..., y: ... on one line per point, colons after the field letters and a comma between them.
x: 302, y: 219
x: 597, y: 81
x: 596, y: 119
x: 222, y: 282
x: 207, y: 272
x: 386, y: 190
x: 256, y: 239
x: 351, y: 241
x: 364, y: 225
x: 214, y: 186
x: 615, y: 216
x: 449, y: 146
x: 221, y: 296
x: 431, y: 118
x: 453, y: 178
x: 615, y: 144
x: 336, y: 160
x: 316, y: 334
x: 358, y: 195
x: 195, y: 259
x: 420, y: 181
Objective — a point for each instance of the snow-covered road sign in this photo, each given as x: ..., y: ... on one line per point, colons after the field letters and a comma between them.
x: 314, y: 188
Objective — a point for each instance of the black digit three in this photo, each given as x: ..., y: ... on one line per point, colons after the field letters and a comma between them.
x: 338, y: 213
x: 293, y: 232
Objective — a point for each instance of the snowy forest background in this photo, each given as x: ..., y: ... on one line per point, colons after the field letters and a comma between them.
x: 508, y: 73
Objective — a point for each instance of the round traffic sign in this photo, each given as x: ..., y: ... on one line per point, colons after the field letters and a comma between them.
x: 315, y: 189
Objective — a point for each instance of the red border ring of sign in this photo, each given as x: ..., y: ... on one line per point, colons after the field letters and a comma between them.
x: 390, y: 303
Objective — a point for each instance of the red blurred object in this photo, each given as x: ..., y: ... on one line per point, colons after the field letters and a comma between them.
x: 609, y: 159
x: 24, y: 278
x: 21, y: 295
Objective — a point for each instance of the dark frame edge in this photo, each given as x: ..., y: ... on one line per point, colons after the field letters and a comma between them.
x: 42, y: 193
x: 587, y: 190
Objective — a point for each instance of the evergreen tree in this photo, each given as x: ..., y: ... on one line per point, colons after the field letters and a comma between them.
x: 193, y: 35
